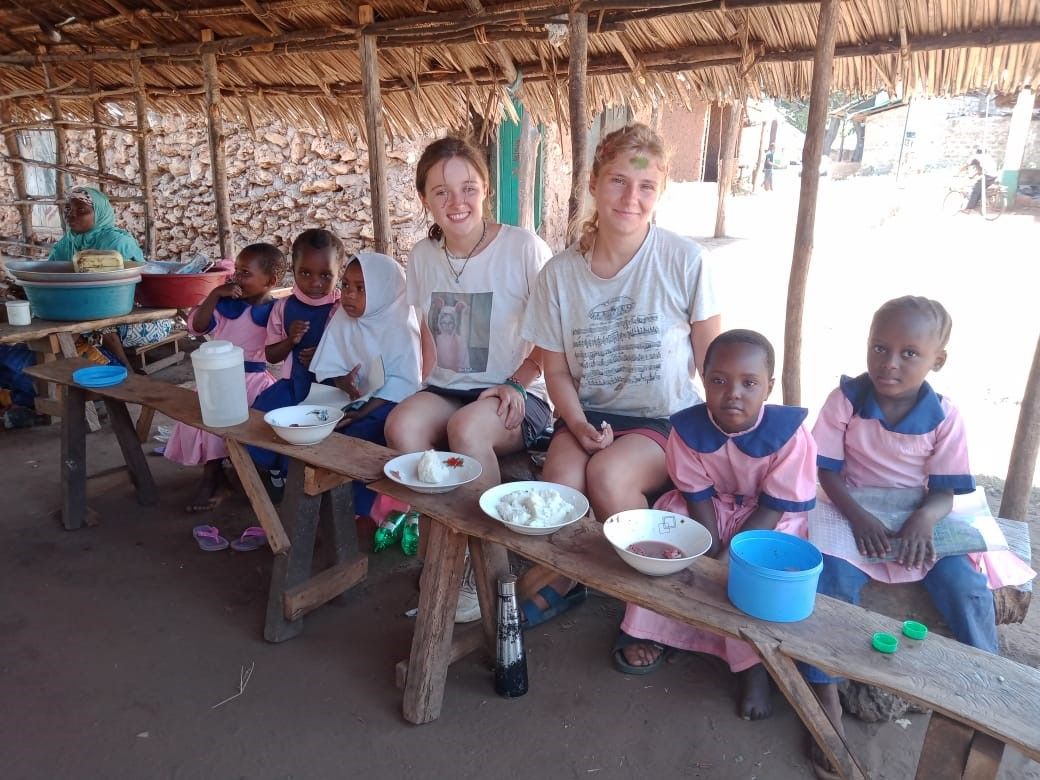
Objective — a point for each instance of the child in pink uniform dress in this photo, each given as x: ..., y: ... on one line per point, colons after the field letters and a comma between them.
x: 887, y: 428
x: 237, y: 312
x: 738, y: 465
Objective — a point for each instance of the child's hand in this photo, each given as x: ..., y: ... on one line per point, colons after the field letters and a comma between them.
x: 297, y: 330
x: 305, y: 355
x: 871, y: 535
x: 917, y: 546
x: 348, y: 418
x: 229, y: 290
x: 349, y: 383
x: 591, y: 438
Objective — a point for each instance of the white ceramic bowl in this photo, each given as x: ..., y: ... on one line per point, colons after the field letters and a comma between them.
x: 489, y: 503
x: 404, y: 470
x: 304, y: 424
x: 653, y: 525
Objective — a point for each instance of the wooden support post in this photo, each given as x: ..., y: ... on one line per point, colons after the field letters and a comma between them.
x: 60, y: 178
x: 99, y: 133
x: 732, y: 120
x: 17, y: 173
x: 375, y: 135
x: 1015, y: 501
x: 903, y: 61
x: 1015, y: 148
x: 144, y: 130
x: 526, y: 170
x: 955, y: 749
x: 577, y: 71
x: 758, y: 159
x: 823, y: 62
x: 266, y: 514
x: 218, y: 165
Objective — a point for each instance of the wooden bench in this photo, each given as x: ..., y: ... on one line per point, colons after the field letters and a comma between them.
x: 317, y: 495
x: 52, y: 340
x: 174, y: 339
x: 980, y: 702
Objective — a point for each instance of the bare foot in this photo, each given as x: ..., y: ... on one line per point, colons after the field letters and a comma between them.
x: 827, y: 693
x: 755, y: 694
x: 212, y: 489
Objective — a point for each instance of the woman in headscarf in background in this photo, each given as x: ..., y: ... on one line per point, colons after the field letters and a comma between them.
x: 92, y: 225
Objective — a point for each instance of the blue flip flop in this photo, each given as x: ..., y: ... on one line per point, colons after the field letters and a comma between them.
x: 534, y: 616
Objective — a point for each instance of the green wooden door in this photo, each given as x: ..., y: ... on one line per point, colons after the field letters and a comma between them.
x: 507, y: 180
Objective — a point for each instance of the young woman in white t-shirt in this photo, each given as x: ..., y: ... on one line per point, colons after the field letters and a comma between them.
x: 623, y: 318
x: 469, y: 282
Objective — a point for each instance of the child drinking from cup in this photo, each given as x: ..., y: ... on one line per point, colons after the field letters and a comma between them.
x: 738, y: 464
x: 237, y: 311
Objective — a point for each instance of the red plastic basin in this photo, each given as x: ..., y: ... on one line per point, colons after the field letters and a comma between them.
x: 177, y: 291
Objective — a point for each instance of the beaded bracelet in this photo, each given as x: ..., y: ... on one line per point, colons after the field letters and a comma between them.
x: 514, y: 383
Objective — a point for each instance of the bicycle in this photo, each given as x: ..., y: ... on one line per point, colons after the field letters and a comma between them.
x: 991, y: 207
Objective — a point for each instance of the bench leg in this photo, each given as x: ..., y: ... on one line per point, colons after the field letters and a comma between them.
x: 73, y: 459
x: 144, y: 423
x: 337, y: 528
x: 954, y: 749
x: 434, y: 623
x: 804, y: 702
x: 299, y: 515
x: 490, y: 563
x: 140, y: 474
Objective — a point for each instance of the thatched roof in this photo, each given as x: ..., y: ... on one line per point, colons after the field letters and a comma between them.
x: 298, y: 60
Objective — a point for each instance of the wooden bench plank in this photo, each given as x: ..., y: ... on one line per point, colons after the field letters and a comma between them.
x: 998, y: 696
x: 350, y: 457
x: 42, y: 329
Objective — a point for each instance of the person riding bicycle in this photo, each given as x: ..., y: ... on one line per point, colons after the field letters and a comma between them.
x: 980, y: 166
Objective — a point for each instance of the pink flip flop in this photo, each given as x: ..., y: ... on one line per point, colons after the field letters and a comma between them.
x: 252, y: 538
x: 209, y: 538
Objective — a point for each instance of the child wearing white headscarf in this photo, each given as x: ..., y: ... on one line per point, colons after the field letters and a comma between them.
x: 371, y: 349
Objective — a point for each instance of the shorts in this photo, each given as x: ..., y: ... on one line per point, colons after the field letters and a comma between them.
x: 537, y: 415
x: 656, y: 429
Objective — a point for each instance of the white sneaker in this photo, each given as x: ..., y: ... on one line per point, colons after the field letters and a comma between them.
x: 468, y: 608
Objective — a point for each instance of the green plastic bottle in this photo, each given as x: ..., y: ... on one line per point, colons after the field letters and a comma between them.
x: 410, y: 534
x: 389, y: 531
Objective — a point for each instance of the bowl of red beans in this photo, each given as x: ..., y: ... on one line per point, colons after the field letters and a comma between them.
x: 655, y: 542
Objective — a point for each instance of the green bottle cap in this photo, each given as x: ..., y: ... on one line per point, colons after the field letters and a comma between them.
x: 915, y: 630
x: 885, y: 643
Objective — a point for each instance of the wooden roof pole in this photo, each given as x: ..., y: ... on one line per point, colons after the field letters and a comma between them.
x: 1015, y: 502
x: 376, y: 136
x: 577, y: 71
x: 732, y: 123
x: 17, y: 173
x: 218, y: 163
x: 823, y: 66
x: 99, y: 133
x: 59, y: 144
x: 144, y: 169
x: 498, y: 49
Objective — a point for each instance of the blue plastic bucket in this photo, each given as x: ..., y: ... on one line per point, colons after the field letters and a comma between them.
x: 773, y: 576
x: 72, y: 301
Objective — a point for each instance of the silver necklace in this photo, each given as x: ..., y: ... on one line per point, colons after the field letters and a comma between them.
x: 465, y: 260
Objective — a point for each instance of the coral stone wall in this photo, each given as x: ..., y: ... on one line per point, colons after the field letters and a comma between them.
x: 281, y: 180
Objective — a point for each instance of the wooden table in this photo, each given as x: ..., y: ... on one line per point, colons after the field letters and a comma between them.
x: 318, y: 492
x: 53, y: 339
x: 980, y: 702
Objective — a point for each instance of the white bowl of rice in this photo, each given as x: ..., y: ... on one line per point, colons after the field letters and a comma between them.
x: 534, y: 508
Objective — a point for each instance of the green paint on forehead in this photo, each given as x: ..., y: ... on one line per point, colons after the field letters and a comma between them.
x: 639, y: 162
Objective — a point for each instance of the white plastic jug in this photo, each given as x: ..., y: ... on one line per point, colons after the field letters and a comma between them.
x: 220, y: 376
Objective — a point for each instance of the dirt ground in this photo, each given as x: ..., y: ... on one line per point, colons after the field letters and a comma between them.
x: 117, y: 641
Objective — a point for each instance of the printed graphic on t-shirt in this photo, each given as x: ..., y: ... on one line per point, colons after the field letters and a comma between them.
x: 461, y: 327
x: 618, y: 347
